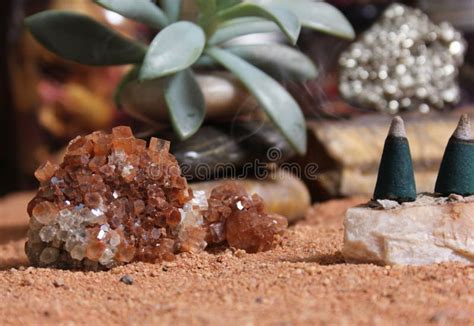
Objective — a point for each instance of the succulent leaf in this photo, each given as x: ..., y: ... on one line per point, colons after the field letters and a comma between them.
x: 185, y: 103
x: 285, y: 19
x: 281, y: 108
x: 242, y: 26
x: 174, y: 49
x: 279, y: 61
x: 224, y: 4
x: 143, y: 11
x: 81, y: 39
x: 316, y: 15
x: 132, y: 74
x: 207, y: 7
x: 172, y: 9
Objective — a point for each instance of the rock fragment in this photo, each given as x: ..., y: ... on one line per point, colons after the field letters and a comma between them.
x: 429, y: 230
x: 126, y: 279
x: 58, y: 283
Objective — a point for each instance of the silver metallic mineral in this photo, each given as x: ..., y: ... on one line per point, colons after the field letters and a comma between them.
x: 403, y: 62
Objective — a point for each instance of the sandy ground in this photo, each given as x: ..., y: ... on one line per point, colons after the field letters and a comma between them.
x: 305, y: 281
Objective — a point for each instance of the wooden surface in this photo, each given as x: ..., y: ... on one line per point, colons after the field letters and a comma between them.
x: 348, y: 151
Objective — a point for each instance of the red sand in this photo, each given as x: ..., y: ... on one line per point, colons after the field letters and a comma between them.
x: 305, y: 281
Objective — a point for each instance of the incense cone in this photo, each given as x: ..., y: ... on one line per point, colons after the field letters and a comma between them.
x: 456, y: 173
x: 396, y: 180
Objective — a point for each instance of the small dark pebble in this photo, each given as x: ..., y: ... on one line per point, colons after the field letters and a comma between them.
x: 259, y: 300
x: 58, y: 283
x: 127, y: 279
x: 26, y: 282
x: 165, y: 268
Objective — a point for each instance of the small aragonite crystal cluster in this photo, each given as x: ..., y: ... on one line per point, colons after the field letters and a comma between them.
x: 115, y: 200
x: 241, y: 219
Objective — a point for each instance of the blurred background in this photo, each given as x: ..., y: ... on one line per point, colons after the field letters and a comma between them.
x: 46, y: 101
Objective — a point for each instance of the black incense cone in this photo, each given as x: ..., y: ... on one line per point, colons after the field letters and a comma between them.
x: 456, y: 173
x: 396, y: 180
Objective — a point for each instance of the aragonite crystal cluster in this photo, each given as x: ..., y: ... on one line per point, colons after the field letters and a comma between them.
x: 241, y: 219
x: 115, y: 200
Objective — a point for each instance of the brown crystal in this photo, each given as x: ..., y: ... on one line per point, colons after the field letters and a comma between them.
x: 114, y: 200
x: 102, y: 202
x: 242, y: 219
x: 46, y: 171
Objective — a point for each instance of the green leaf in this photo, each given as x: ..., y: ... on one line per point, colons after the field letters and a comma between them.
x: 81, y: 39
x: 316, y: 15
x: 174, y: 49
x: 224, y: 4
x: 185, y: 102
x: 207, y: 7
x: 274, y: 99
x: 207, y: 19
x: 285, y: 19
x: 172, y: 9
x: 143, y: 11
x: 242, y: 26
x: 279, y: 61
x: 131, y: 75
x: 206, y: 62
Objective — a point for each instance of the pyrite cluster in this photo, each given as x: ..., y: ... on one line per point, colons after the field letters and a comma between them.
x: 403, y: 62
x: 116, y: 199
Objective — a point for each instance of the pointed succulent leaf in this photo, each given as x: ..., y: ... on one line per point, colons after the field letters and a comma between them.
x: 285, y: 19
x: 174, y: 49
x: 131, y: 75
x: 281, y: 108
x: 316, y: 15
x: 81, y: 39
x: 172, y: 9
x: 279, y: 61
x: 143, y: 11
x: 242, y: 26
x: 224, y: 4
x: 185, y: 103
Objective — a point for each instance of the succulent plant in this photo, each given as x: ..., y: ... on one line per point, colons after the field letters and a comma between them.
x: 182, y: 46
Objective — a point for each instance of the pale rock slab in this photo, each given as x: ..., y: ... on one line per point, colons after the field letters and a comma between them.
x: 428, y: 231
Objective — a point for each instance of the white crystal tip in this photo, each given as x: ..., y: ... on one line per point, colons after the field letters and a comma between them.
x: 463, y: 130
x: 397, y: 128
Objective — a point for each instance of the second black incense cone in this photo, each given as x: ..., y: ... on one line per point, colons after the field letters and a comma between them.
x: 456, y: 173
x: 396, y: 180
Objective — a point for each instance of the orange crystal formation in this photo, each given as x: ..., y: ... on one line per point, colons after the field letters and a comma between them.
x: 114, y: 200
x: 241, y: 220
